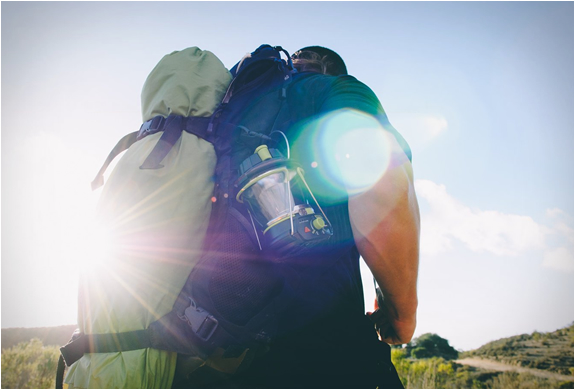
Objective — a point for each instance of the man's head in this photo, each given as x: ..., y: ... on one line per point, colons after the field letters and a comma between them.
x: 319, y: 59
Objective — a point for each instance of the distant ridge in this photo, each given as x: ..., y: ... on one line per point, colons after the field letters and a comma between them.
x: 552, y: 351
x: 55, y: 335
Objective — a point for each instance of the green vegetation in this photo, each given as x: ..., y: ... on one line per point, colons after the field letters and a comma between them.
x: 551, y: 351
x: 430, y: 345
x: 439, y: 373
x: 430, y: 373
x: 427, y: 362
x: 29, y: 365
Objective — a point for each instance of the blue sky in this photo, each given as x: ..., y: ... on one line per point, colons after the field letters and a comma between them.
x: 483, y: 92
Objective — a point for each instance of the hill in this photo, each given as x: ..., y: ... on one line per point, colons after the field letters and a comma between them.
x: 535, y: 361
x: 56, y: 335
x: 552, y: 351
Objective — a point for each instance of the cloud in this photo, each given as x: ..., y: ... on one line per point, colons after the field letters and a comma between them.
x: 559, y: 258
x: 433, y: 125
x: 419, y: 129
x: 553, y: 213
x: 448, y: 220
x: 560, y: 223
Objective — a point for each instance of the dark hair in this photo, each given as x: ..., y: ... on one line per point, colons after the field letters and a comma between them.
x: 319, y: 59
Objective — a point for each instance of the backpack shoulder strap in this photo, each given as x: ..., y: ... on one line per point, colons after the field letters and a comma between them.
x: 123, y: 144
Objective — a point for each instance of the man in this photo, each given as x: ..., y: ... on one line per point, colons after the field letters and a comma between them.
x: 338, y: 347
x: 324, y: 338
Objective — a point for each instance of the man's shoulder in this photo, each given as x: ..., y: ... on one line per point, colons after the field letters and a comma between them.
x: 310, y: 78
x: 323, y: 91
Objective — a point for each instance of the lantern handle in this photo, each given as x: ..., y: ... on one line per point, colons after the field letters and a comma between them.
x: 285, y: 138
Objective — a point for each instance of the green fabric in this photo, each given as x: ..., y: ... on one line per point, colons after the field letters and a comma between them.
x: 156, y: 221
x: 190, y: 82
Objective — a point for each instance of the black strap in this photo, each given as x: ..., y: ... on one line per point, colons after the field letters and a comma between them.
x: 170, y: 333
x: 105, y: 343
x: 61, y: 368
x: 172, y: 132
x: 123, y: 144
x: 60, y: 373
x: 172, y: 127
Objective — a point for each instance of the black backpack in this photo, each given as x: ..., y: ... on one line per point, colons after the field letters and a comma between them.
x: 226, y: 312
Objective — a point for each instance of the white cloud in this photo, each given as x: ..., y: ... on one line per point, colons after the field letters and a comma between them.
x: 553, y: 213
x: 559, y: 258
x: 419, y: 129
x: 560, y: 223
x: 434, y: 125
x: 448, y: 220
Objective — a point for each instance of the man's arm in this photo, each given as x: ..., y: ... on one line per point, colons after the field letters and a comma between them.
x: 385, y: 218
x: 385, y: 223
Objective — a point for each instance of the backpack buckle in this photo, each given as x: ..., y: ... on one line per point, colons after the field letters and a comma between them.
x: 152, y: 126
x: 202, y: 323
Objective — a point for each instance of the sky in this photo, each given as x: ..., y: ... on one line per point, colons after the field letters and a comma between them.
x: 482, y: 91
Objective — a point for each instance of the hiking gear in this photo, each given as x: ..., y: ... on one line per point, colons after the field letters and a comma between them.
x: 157, y: 219
x: 279, y: 295
x: 225, y: 312
x: 268, y: 184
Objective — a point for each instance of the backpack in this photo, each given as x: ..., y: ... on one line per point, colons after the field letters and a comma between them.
x: 225, y: 312
x: 158, y: 218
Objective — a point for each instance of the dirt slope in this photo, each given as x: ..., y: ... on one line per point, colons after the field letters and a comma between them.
x: 497, y: 366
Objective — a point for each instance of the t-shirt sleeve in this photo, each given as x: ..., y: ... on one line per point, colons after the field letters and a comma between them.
x: 348, y: 92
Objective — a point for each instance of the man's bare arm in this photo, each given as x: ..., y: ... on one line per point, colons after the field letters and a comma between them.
x: 386, y: 225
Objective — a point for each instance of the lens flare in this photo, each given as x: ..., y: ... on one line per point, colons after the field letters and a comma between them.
x: 348, y: 150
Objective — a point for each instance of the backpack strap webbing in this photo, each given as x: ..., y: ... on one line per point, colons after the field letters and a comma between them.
x: 123, y: 144
x: 172, y: 126
x: 60, y: 373
x: 61, y: 368
x: 178, y: 331
x: 105, y: 343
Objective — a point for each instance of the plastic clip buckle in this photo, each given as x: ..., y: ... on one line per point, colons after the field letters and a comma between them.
x: 152, y: 126
x: 202, y: 323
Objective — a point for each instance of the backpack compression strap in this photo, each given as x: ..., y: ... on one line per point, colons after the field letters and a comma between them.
x: 172, y: 126
x: 102, y: 343
x: 180, y: 332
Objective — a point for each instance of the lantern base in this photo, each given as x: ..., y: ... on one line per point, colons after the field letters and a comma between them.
x: 309, y: 231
